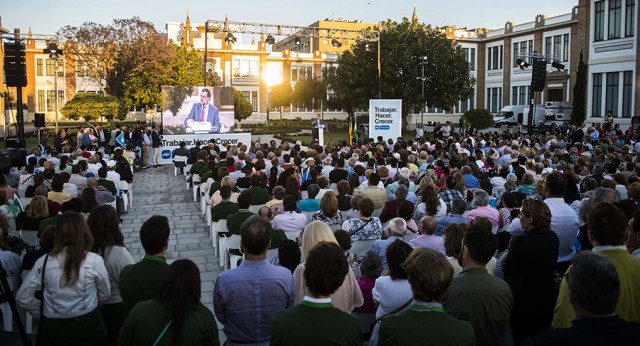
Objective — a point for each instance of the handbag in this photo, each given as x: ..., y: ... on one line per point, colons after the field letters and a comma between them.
x: 40, y: 296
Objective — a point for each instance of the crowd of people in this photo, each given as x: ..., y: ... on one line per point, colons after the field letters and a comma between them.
x: 472, y: 238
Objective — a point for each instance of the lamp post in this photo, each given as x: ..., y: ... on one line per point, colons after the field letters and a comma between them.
x: 54, y: 54
x: 422, y: 61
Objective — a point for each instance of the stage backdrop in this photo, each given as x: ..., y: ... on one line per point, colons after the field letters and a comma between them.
x: 170, y: 142
x: 385, y: 118
x: 180, y: 104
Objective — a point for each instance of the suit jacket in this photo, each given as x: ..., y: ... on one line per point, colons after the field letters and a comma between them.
x: 234, y: 221
x: 212, y: 116
x: 302, y: 322
x: 223, y: 209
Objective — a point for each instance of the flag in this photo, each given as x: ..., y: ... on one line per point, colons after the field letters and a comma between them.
x: 355, y: 128
x: 350, y: 130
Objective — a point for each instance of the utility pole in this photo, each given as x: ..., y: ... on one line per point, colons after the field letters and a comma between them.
x: 423, y: 60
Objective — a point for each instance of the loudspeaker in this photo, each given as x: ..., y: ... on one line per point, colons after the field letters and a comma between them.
x: 538, y: 75
x: 39, y: 120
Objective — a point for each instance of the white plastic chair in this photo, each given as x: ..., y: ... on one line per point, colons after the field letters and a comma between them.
x: 179, y: 161
x: 376, y: 212
x: 292, y: 235
x: 221, y: 226
x: 232, y: 243
x: 124, y: 186
x: 196, y: 186
x: 255, y: 208
x: 309, y: 214
x: 5, y: 309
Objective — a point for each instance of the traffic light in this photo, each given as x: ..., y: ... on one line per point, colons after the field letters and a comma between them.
x: 15, y: 64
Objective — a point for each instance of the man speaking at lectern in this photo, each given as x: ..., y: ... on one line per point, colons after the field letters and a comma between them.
x: 203, y: 112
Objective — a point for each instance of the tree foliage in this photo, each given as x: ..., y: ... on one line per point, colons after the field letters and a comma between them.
x: 448, y: 81
x: 478, y: 118
x: 242, y: 108
x: 281, y: 95
x: 579, y: 114
x: 309, y: 93
x: 92, y: 106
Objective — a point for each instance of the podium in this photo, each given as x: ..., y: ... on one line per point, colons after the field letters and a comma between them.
x: 317, y: 133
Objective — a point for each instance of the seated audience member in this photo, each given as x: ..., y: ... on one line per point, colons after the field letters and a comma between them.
x: 392, y: 292
x: 482, y: 209
x: 143, y: 280
x: 458, y: 207
x: 37, y: 211
x: 235, y: 220
x: 633, y: 235
x: 328, y: 212
x: 67, y: 187
x: 289, y: 220
x: 390, y: 209
x: 397, y: 230
x: 344, y: 201
x: 594, y: 286
x: 225, y: 207
x: 46, y: 240
x: 475, y: 295
x: 325, y: 269
x: 370, y: 270
x: 54, y: 207
x: 429, y: 276
x: 366, y: 227
x: 344, y: 241
x: 276, y: 202
x: 348, y: 296
x: 11, y: 262
x: 56, y: 194
x: 38, y: 180
x: 606, y: 228
x: 338, y: 173
x: 355, y: 210
x: 289, y: 254
x: 311, y: 203
x: 430, y: 205
x: 323, y: 185
x: 453, y: 236
x: 427, y: 239
x: 374, y: 192
x: 258, y: 194
x: 235, y: 289
x: 103, y: 196
x: 189, y: 322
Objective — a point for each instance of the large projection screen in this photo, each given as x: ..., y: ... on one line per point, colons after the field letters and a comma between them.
x: 197, y: 110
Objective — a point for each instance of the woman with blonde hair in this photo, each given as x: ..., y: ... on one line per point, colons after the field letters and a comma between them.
x: 73, y: 282
x: 328, y: 212
x: 348, y: 296
x: 31, y: 218
x: 226, y: 181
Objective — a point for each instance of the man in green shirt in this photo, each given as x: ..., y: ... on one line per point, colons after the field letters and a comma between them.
x: 258, y: 194
x: 325, y: 270
x: 475, y: 295
x: 143, y: 280
x: 224, y: 208
x: 235, y: 220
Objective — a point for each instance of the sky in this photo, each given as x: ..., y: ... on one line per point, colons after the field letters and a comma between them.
x: 47, y: 17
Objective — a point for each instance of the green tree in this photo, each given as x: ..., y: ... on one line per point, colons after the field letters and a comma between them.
x: 448, y: 80
x: 281, y: 96
x: 309, y: 93
x: 242, y: 108
x: 579, y: 114
x: 478, y: 118
x: 92, y: 106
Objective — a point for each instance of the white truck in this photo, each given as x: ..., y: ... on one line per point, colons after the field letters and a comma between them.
x: 544, y: 115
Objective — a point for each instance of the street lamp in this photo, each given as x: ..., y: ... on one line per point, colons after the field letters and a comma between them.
x: 54, y: 54
x: 423, y: 60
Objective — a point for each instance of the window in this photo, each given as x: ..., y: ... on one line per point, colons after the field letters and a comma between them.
x: 51, y: 67
x: 613, y: 84
x: 254, y: 100
x: 598, y: 29
x: 596, y: 99
x: 40, y: 100
x: 521, y: 50
x: 557, y: 42
x: 627, y: 93
x: 520, y: 95
x: 629, y: 19
x: 470, y: 57
x: 615, y: 18
x: 494, y: 61
x: 494, y: 99
x: 245, y: 68
x: 465, y: 105
x: 39, y: 67
x: 61, y: 100
x: 51, y: 100
x: 81, y: 68
x: 565, y: 48
x: 301, y: 72
x: 547, y: 45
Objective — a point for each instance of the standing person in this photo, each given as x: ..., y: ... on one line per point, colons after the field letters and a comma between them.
x: 419, y: 132
x: 235, y: 290
x: 109, y: 244
x: 103, y: 138
x: 142, y: 281
x: 156, y: 141
x: 325, y: 270
x: 75, y: 282
x: 146, y: 145
x: 529, y: 269
x: 176, y: 317
x: 475, y: 295
x: 429, y: 275
x: 112, y: 137
x: 594, y: 285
